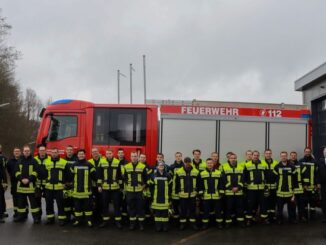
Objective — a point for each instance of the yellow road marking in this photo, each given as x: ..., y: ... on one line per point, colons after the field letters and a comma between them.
x: 191, y: 237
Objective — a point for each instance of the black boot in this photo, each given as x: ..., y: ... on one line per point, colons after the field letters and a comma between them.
x: 37, y: 220
x: 76, y: 223
x: 62, y: 222
x: 182, y: 226
x: 219, y: 225
x: 90, y: 224
x: 132, y: 225
x: 141, y: 225
x: 158, y: 226
x: 165, y: 227
x: 194, y: 227
x: 103, y: 224
x: 49, y: 222
x: 242, y: 224
x: 118, y: 225
x: 248, y: 223
x: 18, y: 218
x: 205, y: 226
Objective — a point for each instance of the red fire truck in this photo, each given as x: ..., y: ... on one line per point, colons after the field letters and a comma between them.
x: 167, y: 127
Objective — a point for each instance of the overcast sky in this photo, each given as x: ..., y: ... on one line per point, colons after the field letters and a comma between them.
x: 229, y: 50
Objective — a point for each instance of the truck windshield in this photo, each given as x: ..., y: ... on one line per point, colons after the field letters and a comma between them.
x: 119, y: 126
x: 62, y: 127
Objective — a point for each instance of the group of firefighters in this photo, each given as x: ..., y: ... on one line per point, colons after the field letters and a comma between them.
x: 190, y: 190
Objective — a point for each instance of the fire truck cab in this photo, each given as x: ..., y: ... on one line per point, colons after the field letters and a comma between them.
x: 85, y: 125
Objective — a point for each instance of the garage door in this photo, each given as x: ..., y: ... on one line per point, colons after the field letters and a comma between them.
x: 186, y: 135
x: 239, y: 137
x: 319, y: 126
x: 287, y: 137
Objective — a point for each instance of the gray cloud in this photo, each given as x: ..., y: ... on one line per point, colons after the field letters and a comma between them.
x: 210, y: 50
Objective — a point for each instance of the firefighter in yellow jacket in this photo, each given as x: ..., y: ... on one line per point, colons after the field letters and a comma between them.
x: 135, y: 181
x: 187, y: 185
x: 110, y: 186
x: 40, y: 182
x: 211, y: 190
x: 56, y: 172
x: 233, y: 179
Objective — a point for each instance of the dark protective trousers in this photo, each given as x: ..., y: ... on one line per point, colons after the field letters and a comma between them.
x: 68, y: 203
x: 234, y: 204
x: 39, y: 193
x: 299, y: 200
x: 135, y: 202
x: 309, y: 198
x: 83, y: 206
x: 13, y: 191
x: 212, y: 206
x: 113, y: 196
x: 2, y: 201
x: 161, y: 217
x: 188, y: 209
x: 271, y: 204
x: 50, y: 196
x: 280, y: 205
x: 176, y: 208
x: 97, y: 203
x: 22, y: 204
x: 256, y: 199
x: 323, y: 199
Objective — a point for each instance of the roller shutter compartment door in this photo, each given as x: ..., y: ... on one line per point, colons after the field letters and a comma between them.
x: 239, y: 137
x: 187, y: 135
x: 287, y: 137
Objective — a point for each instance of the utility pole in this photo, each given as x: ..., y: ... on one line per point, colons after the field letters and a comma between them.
x: 144, y: 70
x: 118, y: 76
x: 118, y: 86
x: 131, y: 70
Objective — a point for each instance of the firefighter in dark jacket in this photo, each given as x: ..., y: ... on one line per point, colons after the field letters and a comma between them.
x: 178, y: 163
x: 11, y: 165
x: 233, y: 179
x: 321, y: 182
x: 68, y: 201
x: 40, y: 182
x: 285, y: 173
x: 211, y: 191
x: 147, y: 192
x: 187, y: 186
x: 83, y: 173
x: 254, y: 176
x: 3, y: 186
x: 270, y: 180
x: 309, y: 183
x: 123, y: 161
x: 56, y: 172
x: 297, y: 186
x: 160, y: 184
x: 26, y: 174
x: 96, y: 195
x: 110, y: 185
x: 135, y: 181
